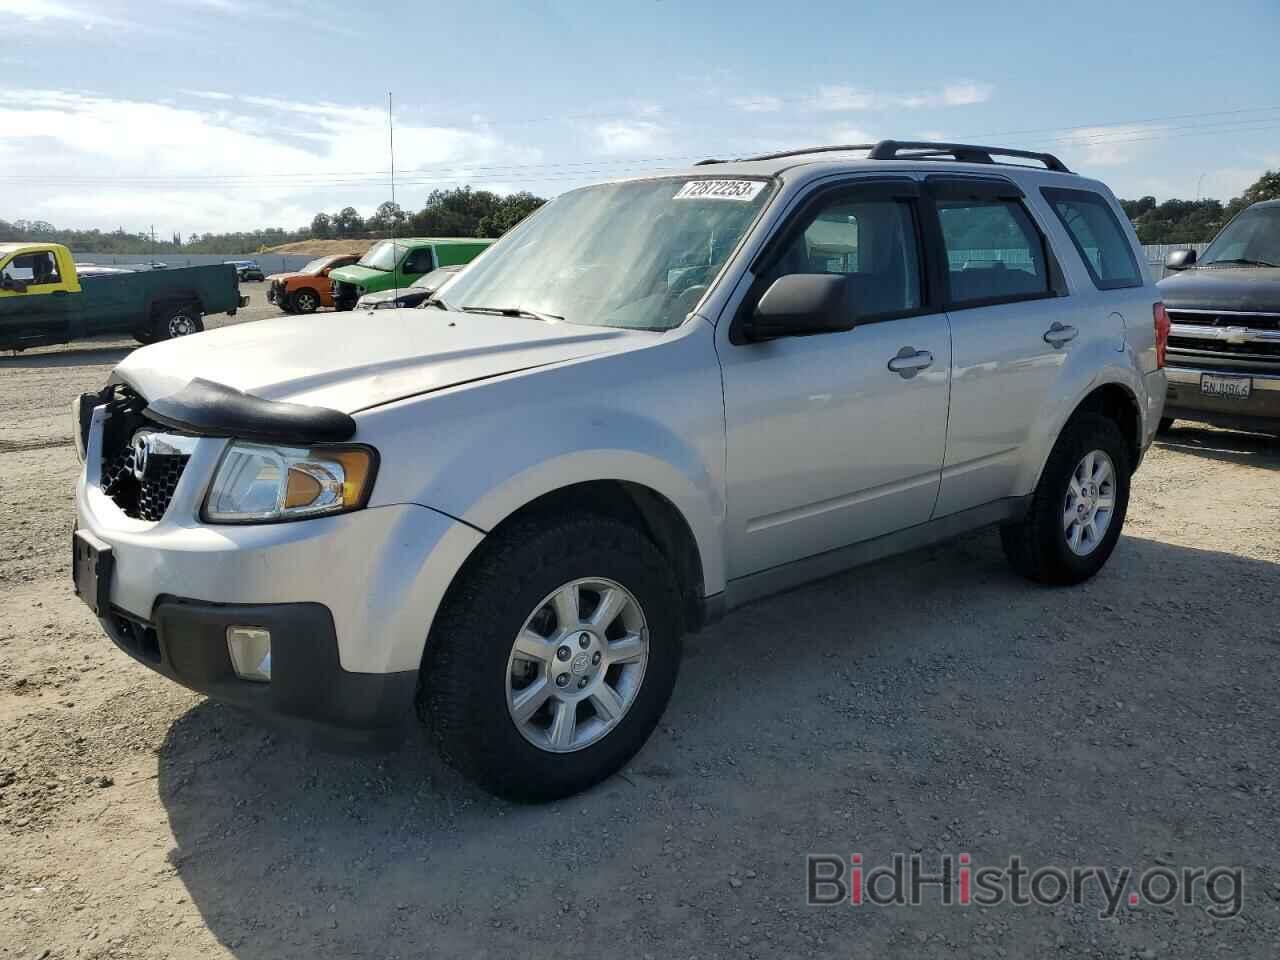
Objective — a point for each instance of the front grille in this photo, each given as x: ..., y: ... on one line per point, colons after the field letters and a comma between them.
x: 1248, y: 341
x: 147, y: 498
x: 1254, y: 321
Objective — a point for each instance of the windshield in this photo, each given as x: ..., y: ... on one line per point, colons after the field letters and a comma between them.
x: 1252, y: 237
x: 637, y: 255
x: 382, y: 255
x: 316, y: 265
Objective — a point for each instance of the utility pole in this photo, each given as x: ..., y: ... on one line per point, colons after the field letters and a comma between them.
x: 1198, y: 182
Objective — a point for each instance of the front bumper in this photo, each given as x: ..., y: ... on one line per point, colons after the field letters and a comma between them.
x: 1261, y: 411
x: 354, y: 595
x: 309, y: 694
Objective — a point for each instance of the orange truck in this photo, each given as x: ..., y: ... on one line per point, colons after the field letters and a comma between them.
x: 307, y: 289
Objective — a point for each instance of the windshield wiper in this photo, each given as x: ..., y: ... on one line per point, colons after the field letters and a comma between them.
x: 1245, y: 261
x: 515, y: 312
x: 437, y: 303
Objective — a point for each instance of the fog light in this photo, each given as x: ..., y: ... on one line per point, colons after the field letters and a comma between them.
x: 250, y: 649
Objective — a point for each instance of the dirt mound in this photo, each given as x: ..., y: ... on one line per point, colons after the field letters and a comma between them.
x: 322, y: 248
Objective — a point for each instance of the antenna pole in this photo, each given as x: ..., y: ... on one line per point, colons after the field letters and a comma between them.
x: 391, y: 137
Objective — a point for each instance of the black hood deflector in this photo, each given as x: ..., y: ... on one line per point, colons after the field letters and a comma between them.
x: 210, y: 409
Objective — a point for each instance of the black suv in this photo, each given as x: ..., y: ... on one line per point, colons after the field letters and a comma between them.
x: 1224, y: 348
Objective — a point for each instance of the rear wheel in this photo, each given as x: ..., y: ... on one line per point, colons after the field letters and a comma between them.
x: 177, y: 321
x: 304, y: 301
x: 1078, y: 507
x: 553, y: 657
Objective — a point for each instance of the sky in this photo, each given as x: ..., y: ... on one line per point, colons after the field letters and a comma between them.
x: 216, y: 115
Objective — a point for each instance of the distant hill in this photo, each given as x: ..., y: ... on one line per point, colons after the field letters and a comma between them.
x: 321, y: 248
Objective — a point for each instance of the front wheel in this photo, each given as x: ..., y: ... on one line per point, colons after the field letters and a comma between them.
x: 1078, y: 507
x: 305, y: 301
x: 553, y: 657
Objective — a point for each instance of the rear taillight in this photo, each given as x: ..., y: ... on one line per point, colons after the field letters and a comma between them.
x: 1162, y: 332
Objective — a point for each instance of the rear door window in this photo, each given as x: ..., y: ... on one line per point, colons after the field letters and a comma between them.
x: 994, y: 251
x: 1098, y: 237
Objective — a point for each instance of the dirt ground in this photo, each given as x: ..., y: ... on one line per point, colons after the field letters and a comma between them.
x: 933, y: 704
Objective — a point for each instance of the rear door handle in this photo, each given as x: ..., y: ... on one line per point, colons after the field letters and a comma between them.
x: 910, y: 361
x: 1059, y: 334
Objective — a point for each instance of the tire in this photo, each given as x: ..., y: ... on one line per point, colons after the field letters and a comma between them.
x: 144, y: 337
x: 304, y: 301
x: 1165, y: 425
x: 467, y: 680
x: 1039, y: 546
x: 177, y: 321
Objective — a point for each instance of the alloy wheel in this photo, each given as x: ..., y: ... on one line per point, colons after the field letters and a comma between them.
x: 1090, y: 503
x: 577, y: 664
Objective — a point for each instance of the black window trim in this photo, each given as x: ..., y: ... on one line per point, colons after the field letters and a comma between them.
x: 1051, y: 194
x: 947, y: 187
x: 903, y: 189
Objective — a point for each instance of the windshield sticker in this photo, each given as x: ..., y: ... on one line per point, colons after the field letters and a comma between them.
x: 744, y: 190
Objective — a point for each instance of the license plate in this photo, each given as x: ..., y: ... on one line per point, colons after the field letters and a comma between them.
x: 91, y: 567
x: 1232, y: 388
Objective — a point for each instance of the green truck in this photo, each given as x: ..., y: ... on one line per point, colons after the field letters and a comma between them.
x: 390, y: 264
x: 45, y: 299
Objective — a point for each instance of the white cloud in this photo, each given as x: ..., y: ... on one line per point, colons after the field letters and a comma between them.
x: 760, y: 104
x: 50, y: 12
x: 207, y: 94
x: 1107, y: 146
x: 86, y: 160
x: 965, y: 94
x: 622, y: 137
x: 852, y: 135
x: 843, y: 98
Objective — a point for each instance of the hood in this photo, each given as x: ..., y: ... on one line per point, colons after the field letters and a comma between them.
x: 325, y: 360
x: 1244, y: 289
x: 357, y: 274
x: 388, y: 296
x: 286, y: 277
x: 405, y: 295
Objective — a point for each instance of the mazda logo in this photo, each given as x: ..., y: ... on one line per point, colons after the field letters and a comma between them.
x: 141, y: 454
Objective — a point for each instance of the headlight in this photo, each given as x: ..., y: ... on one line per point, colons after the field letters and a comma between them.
x: 257, y: 484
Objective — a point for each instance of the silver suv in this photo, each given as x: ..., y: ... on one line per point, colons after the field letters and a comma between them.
x: 651, y: 402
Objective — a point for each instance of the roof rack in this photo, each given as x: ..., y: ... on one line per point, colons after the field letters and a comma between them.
x: 922, y: 150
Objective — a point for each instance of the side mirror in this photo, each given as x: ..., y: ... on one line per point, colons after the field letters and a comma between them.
x: 802, y: 305
x: 1180, y: 260
x: 14, y: 284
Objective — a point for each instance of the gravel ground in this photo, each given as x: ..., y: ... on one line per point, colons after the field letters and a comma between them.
x: 932, y: 704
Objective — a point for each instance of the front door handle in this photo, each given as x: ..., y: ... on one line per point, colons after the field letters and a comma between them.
x: 1059, y: 334
x: 910, y: 361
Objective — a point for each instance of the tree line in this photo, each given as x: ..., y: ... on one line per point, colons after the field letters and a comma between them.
x: 447, y: 213
x: 1194, y: 221
x: 464, y: 212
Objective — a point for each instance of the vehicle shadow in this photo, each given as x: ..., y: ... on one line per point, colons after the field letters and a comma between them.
x: 1229, y: 446
x: 34, y: 359
x: 932, y: 703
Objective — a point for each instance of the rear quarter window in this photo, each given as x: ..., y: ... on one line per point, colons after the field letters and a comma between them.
x: 1097, y: 236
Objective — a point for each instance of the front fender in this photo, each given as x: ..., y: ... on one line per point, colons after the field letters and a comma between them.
x: 651, y: 415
